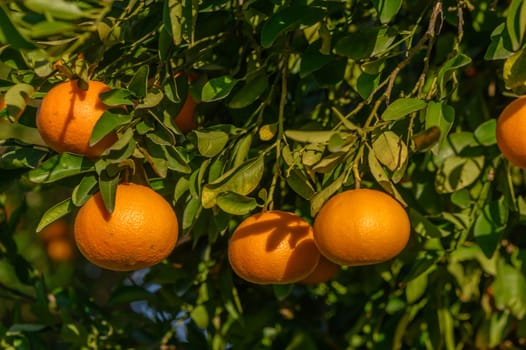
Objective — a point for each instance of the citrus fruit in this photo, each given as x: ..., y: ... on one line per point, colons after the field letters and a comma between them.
x: 185, y: 118
x: 60, y: 249
x: 511, y: 128
x: 361, y: 227
x: 273, y: 247
x: 57, y: 229
x: 67, y: 115
x: 141, y: 231
x: 324, y: 271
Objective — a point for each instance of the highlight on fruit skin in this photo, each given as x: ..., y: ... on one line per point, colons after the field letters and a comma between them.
x: 511, y: 131
x: 361, y: 227
x: 67, y: 115
x: 273, y: 247
x: 141, y: 231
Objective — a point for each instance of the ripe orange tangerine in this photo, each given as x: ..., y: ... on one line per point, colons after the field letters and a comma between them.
x: 67, y: 115
x: 361, y: 227
x: 324, y: 271
x: 141, y: 231
x: 510, y: 131
x: 273, y: 247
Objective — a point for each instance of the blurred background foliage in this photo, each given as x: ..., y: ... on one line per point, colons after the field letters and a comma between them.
x: 295, y: 100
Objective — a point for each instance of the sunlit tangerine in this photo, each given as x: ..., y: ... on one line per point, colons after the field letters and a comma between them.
x: 141, y: 231
x: 67, y: 115
x: 273, y: 247
x: 185, y: 118
x: 511, y: 131
x: 324, y: 271
x: 361, y: 227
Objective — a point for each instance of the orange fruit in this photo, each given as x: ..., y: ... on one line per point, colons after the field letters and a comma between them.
x: 67, y: 115
x: 57, y: 229
x: 511, y: 128
x: 361, y: 227
x: 185, y: 119
x: 273, y: 247
x: 141, y: 231
x: 324, y: 271
x: 60, y: 249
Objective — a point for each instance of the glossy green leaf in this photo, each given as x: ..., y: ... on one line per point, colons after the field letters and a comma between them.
x: 381, y: 177
x: 509, y: 288
x: 387, y: 9
x: 21, y: 157
x: 485, y: 133
x: 108, y: 189
x: 241, y: 180
x: 515, y: 24
x: 45, y: 29
x: 106, y: 124
x: 300, y: 184
x: 249, y: 92
x: 402, y: 107
x: 16, y: 99
x: 200, y: 316
x: 217, y: 88
x: 57, y: 8
x: 439, y: 115
x: 127, y: 294
x: 139, y: 82
x: 235, y: 204
x: 191, y: 213
x: 320, y: 197
x: 54, y: 213
x: 366, y: 42
x: 312, y: 59
x: 489, y: 225
x: 499, y: 47
x: 60, y: 166
x: 117, y: 97
x: 210, y: 143
x: 288, y: 19
x: 448, y: 69
x: 390, y: 150
x: 457, y: 173
x: 9, y: 34
x: 514, y: 73
x: 242, y: 150
x: 82, y: 192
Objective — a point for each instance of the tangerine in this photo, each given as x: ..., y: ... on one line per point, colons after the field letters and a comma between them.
x: 57, y: 229
x: 67, y: 115
x: 60, y: 249
x: 361, y: 227
x: 324, y: 271
x: 510, y: 131
x: 185, y: 118
x: 273, y: 247
x: 141, y: 231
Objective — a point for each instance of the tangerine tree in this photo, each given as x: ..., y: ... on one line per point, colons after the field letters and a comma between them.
x: 226, y: 112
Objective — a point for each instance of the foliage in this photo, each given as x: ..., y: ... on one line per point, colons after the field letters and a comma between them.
x: 297, y: 100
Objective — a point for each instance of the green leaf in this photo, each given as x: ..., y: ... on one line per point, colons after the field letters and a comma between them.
x: 57, y: 8
x: 156, y: 156
x: 485, y: 133
x: 242, y: 150
x: 282, y: 291
x: 16, y: 99
x: 60, y: 166
x: 390, y: 150
x: 108, y: 189
x: 387, y: 9
x: 21, y: 157
x: 402, y: 107
x: 515, y: 24
x: 191, y: 213
x: 200, y: 316
x: 288, y: 19
x: 323, y: 195
x: 235, y: 204
x: 82, y: 192
x: 514, y: 72
x: 439, y: 115
x: 249, y: 92
x: 241, y: 180
x: 509, y: 288
x: 300, y: 184
x: 210, y: 143
x: 139, y: 82
x: 117, y: 97
x: 380, y: 176
x: 416, y: 288
x: 217, y: 88
x: 447, y: 71
x: 366, y: 42
x: 9, y: 33
x: 310, y: 136
x: 458, y: 172
x: 106, y: 124
x: 26, y: 327
x: 312, y: 59
x: 489, y: 226
x: 54, y: 213
x: 45, y: 29
x: 499, y: 47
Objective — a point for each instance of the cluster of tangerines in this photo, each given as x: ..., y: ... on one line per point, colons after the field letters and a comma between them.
x: 355, y: 227
x: 57, y: 239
